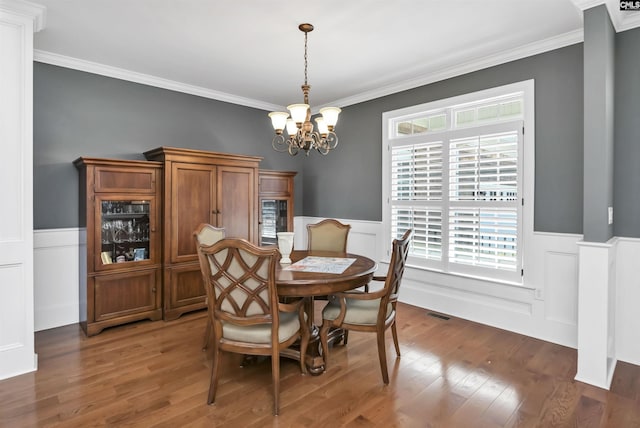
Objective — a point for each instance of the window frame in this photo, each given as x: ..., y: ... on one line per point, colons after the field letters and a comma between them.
x: 525, y: 185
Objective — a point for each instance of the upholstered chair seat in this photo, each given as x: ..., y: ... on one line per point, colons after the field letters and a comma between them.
x: 261, y: 333
x: 360, y: 312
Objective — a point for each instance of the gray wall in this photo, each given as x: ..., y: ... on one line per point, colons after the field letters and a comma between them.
x: 81, y: 114
x: 626, y: 208
x: 347, y: 183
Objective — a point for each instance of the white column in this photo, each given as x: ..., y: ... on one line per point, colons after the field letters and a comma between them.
x: 596, y: 313
x: 18, y: 21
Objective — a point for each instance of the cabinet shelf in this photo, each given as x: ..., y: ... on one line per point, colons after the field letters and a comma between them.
x: 124, y: 216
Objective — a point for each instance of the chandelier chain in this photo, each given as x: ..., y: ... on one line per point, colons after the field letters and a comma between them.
x: 305, y: 58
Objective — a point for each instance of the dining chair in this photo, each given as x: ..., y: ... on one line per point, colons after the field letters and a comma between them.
x: 328, y: 235
x: 206, y: 234
x: 372, y: 312
x: 244, y: 310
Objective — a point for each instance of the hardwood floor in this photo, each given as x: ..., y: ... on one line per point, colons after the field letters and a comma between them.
x: 452, y: 373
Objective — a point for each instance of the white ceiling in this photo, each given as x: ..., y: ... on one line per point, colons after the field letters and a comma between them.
x: 251, y: 52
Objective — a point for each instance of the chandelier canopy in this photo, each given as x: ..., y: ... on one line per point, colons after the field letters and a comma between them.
x: 302, y: 136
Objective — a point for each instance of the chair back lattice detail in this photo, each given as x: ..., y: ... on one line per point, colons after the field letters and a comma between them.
x: 240, y: 283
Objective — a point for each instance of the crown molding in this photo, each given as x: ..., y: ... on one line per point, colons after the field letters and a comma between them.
x: 530, y: 49
x: 587, y: 4
x: 146, y: 79
x: 34, y: 11
x: 527, y: 50
x: 621, y: 20
x: 627, y: 20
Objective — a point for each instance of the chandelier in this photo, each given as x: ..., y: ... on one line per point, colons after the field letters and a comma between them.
x: 302, y: 136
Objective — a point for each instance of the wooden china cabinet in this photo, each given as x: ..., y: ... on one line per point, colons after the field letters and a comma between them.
x: 201, y: 187
x: 276, y: 204
x: 120, y: 279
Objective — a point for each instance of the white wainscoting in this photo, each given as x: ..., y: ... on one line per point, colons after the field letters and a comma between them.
x: 546, y: 308
x: 627, y: 315
x: 56, y: 277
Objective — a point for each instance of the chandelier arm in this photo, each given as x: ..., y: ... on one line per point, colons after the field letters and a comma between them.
x: 331, y: 140
x: 293, y: 149
x: 279, y: 143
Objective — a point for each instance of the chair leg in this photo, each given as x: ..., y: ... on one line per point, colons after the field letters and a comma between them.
x: 324, y: 341
x: 275, y: 374
x: 207, y: 334
x: 345, y: 337
x: 215, y: 371
x: 394, y: 331
x: 382, y: 355
x: 304, y: 344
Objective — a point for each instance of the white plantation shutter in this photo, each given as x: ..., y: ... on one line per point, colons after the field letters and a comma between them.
x: 417, y: 172
x: 484, y: 167
x: 417, y: 175
x: 426, y: 242
x: 484, y: 237
x: 460, y: 189
x: 484, y: 200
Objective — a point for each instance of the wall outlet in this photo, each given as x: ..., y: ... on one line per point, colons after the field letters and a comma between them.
x: 538, y: 294
x: 610, y: 213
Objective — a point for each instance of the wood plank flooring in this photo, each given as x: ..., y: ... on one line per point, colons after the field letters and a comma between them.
x: 452, y: 373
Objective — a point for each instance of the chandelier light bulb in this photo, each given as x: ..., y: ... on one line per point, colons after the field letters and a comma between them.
x: 278, y: 120
x: 292, y: 128
x: 322, y: 126
x: 298, y: 112
x: 330, y: 115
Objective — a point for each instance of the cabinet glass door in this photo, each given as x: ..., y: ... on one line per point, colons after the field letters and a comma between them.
x: 125, y: 228
x: 274, y: 220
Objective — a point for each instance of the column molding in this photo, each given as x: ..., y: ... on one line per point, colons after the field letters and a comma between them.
x: 596, y: 312
x: 18, y: 21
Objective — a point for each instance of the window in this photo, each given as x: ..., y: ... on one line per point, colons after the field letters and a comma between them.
x: 453, y: 171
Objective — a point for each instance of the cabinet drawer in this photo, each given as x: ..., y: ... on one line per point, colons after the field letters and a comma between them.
x: 125, y: 180
x: 124, y: 294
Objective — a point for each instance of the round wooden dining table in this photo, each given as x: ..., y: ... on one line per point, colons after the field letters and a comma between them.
x: 295, y: 283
